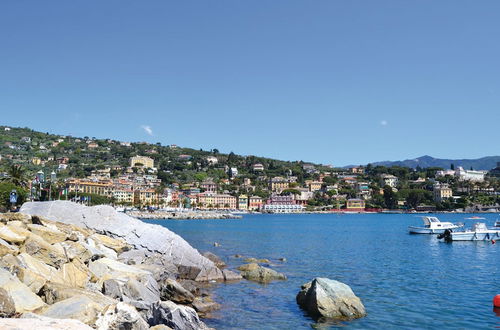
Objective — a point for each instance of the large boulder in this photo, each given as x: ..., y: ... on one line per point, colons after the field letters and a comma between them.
x: 105, y: 220
x: 75, y: 273
x: 50, y: 235
x: 78, y: 250
x: 326, y: 298
x: 121, y: 316
x: 118, y: 245
x: 257, y: 273
x: 10, y: 234
x: 6, y: 248
x: 79, y: 307
x: 33, y: 321
x: 52, y: 293
x: 37, y: 247
x: 172, y: 290
x: 14, y: 291
x: 177, y: 317
x: 34, y: 273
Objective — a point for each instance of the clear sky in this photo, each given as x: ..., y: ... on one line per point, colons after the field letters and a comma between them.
x: 333, y: 82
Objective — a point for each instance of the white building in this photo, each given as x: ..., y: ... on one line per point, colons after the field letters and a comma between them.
x: 282, y: 208
x: 389, y: 180
x: 470, y: 175
x: 212, y: 160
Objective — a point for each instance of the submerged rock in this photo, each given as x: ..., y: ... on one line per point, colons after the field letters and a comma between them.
x: 254, y: 272
x: 215, y: 259
x: 326, y: 298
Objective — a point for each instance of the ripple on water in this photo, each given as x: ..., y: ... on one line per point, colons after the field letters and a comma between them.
x: 405, y: 281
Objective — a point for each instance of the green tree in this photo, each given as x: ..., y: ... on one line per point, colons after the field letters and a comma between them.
x: 390, y: 198
x: 16, y: 174
x: 5, y: 190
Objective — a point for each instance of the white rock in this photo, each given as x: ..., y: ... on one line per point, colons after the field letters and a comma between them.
x: 105, y: 220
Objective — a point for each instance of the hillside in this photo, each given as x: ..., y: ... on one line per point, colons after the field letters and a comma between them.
x: 38, y: 150
x: 484, y: 163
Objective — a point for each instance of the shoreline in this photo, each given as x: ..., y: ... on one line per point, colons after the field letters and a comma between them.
x: 188, y: 215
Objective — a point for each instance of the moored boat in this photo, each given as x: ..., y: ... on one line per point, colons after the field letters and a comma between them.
x: 478, y: 232
x: 432, y: 225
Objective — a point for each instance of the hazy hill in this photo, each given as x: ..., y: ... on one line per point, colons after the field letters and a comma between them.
x: 484, y: 163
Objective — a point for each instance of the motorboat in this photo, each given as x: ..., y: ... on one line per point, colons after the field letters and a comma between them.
x: 478, y: 232
x: 432, y: 225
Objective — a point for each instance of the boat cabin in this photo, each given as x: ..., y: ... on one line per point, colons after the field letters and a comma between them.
x: 431, y: 222
x: 479, y: 226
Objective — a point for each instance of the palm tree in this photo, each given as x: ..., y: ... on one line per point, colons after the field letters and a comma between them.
x: 16, y: 174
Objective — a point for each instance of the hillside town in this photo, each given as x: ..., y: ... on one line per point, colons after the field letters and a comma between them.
x: 152, y: 176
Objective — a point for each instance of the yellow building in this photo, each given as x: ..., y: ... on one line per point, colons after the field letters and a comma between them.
x: 355, y: 205
x: 123, y: 196
x: 145, y: 197
x: 142, y: 161
x: 278, y: 184
x: 219, y: 201
x: 205, y: 200
x: 314, y: 185
x: 442, y: 192
x: 243, y: 202
x: 85, y: 186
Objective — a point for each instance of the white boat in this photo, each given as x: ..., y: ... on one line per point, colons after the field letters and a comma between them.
x: 432, y: 225
x: 479, y: 232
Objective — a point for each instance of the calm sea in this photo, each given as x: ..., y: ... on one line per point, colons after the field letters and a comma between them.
x: 405, y: 281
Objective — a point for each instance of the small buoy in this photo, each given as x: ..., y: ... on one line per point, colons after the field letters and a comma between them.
x: 496, y: 301
x: 493, y: 241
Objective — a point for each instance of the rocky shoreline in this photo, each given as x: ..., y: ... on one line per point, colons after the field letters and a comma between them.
x: 68, y: 266
x: 183, y: 215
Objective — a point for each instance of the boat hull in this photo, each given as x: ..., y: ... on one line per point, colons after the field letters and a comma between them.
x: 475, y: 236
x: 429, y: 231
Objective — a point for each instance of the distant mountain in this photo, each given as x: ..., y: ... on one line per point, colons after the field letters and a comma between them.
x: 485, y: 163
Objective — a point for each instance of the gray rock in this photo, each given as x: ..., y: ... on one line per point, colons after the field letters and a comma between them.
x: 7, y: 305
x: 79, y: 307
x: 139, y: 295
x: 105, y: 220
x: 34, y: 321
x: 204, y: 306
x: 177, y: 317
x: 121, y: 316
x: 230, y: 275
x: 18, y: 293
x: 172, y: 290
x: 215, y: 259
x: 257, y: 273
x: 326, y: 298
x: 113, y: 289
x: 53, y: 292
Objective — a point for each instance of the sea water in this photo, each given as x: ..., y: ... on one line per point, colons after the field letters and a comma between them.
x: 405, y: 281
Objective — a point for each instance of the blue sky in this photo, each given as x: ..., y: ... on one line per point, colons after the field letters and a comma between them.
x: 333, y: 82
